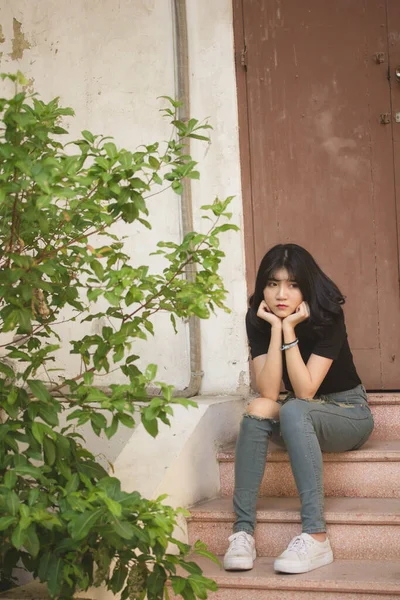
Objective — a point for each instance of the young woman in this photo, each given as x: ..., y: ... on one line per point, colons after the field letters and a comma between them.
x: 296, y: 331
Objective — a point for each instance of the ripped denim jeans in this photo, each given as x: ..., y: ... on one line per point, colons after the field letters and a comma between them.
x: 307, y: 427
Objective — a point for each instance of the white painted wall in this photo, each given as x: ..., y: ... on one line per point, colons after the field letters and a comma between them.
x: 110, y: 61
x: 213, y: 93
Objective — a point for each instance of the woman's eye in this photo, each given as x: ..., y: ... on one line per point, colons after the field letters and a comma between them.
x: 294, y: 285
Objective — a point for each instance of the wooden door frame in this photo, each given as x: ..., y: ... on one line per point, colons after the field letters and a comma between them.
x: 244, y: 122
x: 245, y: 158
x: 244, y: 143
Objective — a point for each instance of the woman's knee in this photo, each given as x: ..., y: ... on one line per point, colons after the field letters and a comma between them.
x: 264, y: 408
x: 291, y: 413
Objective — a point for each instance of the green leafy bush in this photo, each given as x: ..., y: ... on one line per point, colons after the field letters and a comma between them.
x: 61, y: 514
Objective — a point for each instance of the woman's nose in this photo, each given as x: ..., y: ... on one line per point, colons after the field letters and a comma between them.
x: 281, y: 292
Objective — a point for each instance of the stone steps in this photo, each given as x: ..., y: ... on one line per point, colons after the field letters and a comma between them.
x: 343, y: 579
x: 373, y: 471
x: 362, y: 510
x: 358, y: 528
x: 386, y: 411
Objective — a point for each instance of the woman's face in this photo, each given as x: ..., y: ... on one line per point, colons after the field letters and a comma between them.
x: 282, y: 294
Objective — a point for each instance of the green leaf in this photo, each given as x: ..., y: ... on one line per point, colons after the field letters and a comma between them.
x: 96, y: 395
x: 5, y: 522
x: 44, y: 565
x: 88, y: 377
x: 88, y: 136
x: 80, y: 526
x: 93, y: 294
x: 92, y: 470
x: 10, y: 479
x: 8, y: 371
x: 98, y: 420
x: 117, y: 580
x: 18, y: 537
x: 113, y: 506
x: 201, y: 549
x: 125, y: 159
x: 30, y: 470
x: 154, y: 163
x: 192, y: 568
x: 24, y: 320
x: 112, y: 429
x: 156, y: 581
x: 55, y: 575
x: 49, y: 451
x: 12, y: 503
x: 175, y: 103
x: 14, y: 353
x: 33, y: 496
x: 226, y: 227
x: 49, y: 414
x: 9, y: 324
x: 151, y: 372
x: 126, y: 420
x: 97, y: 269
x: 39, y: 390
x: 32, y: 543
x: 73, y: 484
x: 123, y: 529
x: 178, y: 584
x: 37, y: 431
x: 111, y: 150
x: 150, y: 426
x: 12, y: 396
x: 113, y: 298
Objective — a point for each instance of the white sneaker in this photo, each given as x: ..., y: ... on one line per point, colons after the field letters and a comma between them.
x: 304, y: 554
x: 241, y: 552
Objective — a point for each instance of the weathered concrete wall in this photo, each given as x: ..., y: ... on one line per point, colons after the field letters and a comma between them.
x: 110, y: 61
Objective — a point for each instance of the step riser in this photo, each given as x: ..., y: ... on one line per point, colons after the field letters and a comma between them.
x: 252, y: 594
x: 341, y: 479
x: 387, y: 422
x: 349, y: 541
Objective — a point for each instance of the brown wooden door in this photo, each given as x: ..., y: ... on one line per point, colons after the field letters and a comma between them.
x: 319, y: 168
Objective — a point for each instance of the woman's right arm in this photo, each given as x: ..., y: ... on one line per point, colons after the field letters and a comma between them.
x: 268, y: 367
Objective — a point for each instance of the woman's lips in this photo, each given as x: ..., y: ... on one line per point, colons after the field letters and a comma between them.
x: 281, y: 306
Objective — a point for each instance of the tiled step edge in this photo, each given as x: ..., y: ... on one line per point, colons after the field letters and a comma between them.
x: 342, y: 576
x: 38, y: 591
x: 379, y: 399
x: 372, y: 451
x: 358, y: 511
x: 358, y: 528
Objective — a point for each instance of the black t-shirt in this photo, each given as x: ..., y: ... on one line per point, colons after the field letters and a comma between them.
x: 331, y: 343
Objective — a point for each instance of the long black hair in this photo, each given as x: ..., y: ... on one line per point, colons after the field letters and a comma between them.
x: 323, y: 296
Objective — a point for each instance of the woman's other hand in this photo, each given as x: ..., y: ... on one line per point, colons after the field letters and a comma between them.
x: 265, y: 313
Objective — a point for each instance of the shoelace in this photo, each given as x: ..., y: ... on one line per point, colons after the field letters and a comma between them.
x: 299, y: 544
x: 239, y: 541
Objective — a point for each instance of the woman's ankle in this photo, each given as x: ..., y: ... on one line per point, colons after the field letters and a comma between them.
x: 320, y: 537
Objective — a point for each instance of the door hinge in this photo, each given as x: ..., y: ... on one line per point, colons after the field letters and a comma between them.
x: 243, y: 58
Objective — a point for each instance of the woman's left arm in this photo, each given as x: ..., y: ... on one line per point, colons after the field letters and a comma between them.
x: 305, y: 379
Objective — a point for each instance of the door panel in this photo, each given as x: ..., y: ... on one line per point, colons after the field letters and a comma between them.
x: 393, y: 12
x: 322, y: 171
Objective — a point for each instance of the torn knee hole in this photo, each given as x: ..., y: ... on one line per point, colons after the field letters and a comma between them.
x: 257, y: 417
